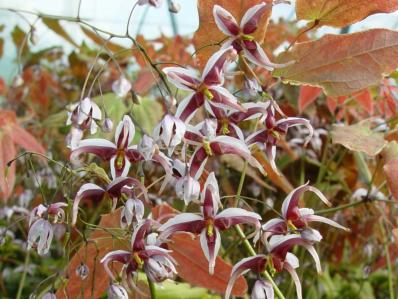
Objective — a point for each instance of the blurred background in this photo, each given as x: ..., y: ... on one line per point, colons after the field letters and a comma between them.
x: 112, y: 16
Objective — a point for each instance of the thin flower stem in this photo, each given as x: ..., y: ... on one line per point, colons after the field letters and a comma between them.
x: 353, y: 204
x: 240, y: 186
x: 23, y: 277
x: 246, y: 244
x: 152, y: 288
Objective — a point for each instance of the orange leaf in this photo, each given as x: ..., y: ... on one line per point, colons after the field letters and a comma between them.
x: 342, y: 64
x: 193, y: 266
x: 100, y: 243
x: 308, y: 95
x: 208, y: 33
x: 341, y: 13
x: 25, y: 140
x: 365, y: 100
x: 390, y: 155
x: 7, y: 174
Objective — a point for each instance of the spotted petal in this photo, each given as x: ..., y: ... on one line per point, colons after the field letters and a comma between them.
x: 182, y: 78
x: 251, y: 18
x: 210, y: 246
x: 186, y: 222
x: 86, y: 191
x: 225, y: 21
x: 100, y: 147
x: 232, y: 216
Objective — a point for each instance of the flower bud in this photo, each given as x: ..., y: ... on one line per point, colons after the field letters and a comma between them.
x: 262, y: 290
x: 174, y: 7
x: 116, y: 291
x: 82, y: 271
x: 49, y: 295
x: 107, y: 126
x: 158, y: 268
x: 121, y: 87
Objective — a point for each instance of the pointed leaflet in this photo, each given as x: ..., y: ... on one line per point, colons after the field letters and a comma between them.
x: 342, y: 64
x: 192, y: 265
x: 308, y: 95
x: 55, y: 26
x: 341, y: 13
x: 208, y: 34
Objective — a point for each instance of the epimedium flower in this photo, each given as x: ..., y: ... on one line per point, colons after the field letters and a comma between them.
x: 169, y: 132
x: 155, y: 261
x: 210, y: 223
x: 262, y: 289
x: 154, y: 3
x: 240, y: 36
x: 278, y: 259
x: 228, y: 121
x: 116, y: 291
x: 41, y: 222
x: 207, y: 144
x: 206, y: 90
x: 274, y: 130
x: 121, y: 153
x: 133, y: 209
x: 121, y: 87
x: 114, y: 191
x: 295, y: 219
x: 83, y: 116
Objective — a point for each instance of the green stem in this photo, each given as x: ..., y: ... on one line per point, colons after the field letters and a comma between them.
x: 240, y: 186
x: 353, y: 204
x: 23, y: 277
x: 388, y: 259
x: 152, y: 288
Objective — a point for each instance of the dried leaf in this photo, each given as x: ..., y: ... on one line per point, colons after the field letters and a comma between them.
x: 100, y: 41
x: 208, y: 37
x: 308, y: 95
x: 193, y: 267
x: 342, y: 64
x: 55, y: 26
x: 25, y: 140
x: 359, y: 137
x: 341, y: 13
x: 365, y: 100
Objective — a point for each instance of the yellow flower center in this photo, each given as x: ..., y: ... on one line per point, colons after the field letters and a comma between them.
x: 138, y: 260
x: 206, y: 146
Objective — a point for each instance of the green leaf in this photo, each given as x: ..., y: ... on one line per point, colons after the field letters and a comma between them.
x: 18, y: 37
x: 148, y: 114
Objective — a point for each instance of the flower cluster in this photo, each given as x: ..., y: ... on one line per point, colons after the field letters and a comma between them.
x: 182, y: 144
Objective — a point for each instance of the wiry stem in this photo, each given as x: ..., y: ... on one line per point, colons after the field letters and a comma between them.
x: 152, y: 288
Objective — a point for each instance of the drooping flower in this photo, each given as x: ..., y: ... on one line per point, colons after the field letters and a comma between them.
x: 41, y: 223
x: 169, y: 132
x: 262, y: 289
x: 274, y: 129
x: 203, y: 137
x: 153, y: 260
x: 295, y: 219
x: 116, y: 291
x: 241, y: 36
x: 205, y: 90
x: 120, y: 154
x: 121, y: 86
x: 83, y: 116
x: 210, y: 223
x: 133, y: 210
x: 97, y: 193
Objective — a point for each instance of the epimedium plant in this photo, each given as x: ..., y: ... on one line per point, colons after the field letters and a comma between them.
x: 227, y: 108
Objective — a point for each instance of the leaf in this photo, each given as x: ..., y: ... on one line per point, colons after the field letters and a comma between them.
x: 359, y: 137
x: 148, y: 114
x: 19, y: 40
x: 365, y: 100
x: 100, y: 41
x: 7, y: 174
x: 100, y: 243
x: 390, y: 155
x: 55, y: 26
x: 341, y: 13
x: 308, y: 95
x: 192, y: 266
x: 342, y: 64
x: 208, y: 36
x: 25, y: 140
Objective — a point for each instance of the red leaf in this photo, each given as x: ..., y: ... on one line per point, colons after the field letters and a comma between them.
x: 7, y: 174
x: 100, y: 243
x: 308, y: 94
x: 193, y: 266
x: 25, y: 140
x: 365, y: 100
